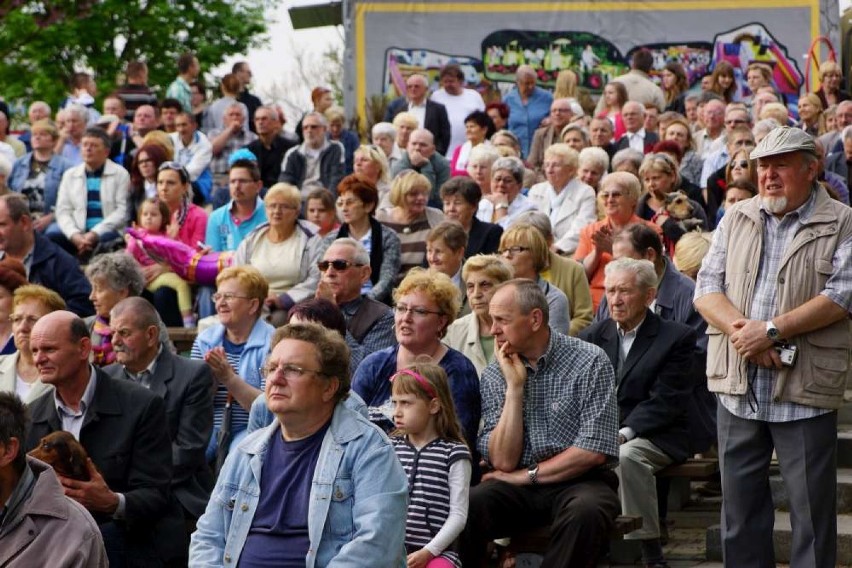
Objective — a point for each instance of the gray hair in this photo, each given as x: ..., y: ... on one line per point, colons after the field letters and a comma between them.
x: 42, y: 105
x: 514, y: 165
x: 318, y: 115
x: 847, y: 132
x: 100, y: 134
x: 483, y: 154
x: 361, y: 255
x: 575, y: 127
x: 528, y: 297
x: 525, y: 71
x: 764, y: 127
x: 538, y: 220
x: 643, y: 271
x: 143, y: 312
x: 627, y: 155
x: 77, y: 109
x: 119, y: 270
x: 594, y: 156
x: 383, y: 129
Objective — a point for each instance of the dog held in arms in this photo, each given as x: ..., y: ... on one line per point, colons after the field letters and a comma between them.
x: 64, y: 454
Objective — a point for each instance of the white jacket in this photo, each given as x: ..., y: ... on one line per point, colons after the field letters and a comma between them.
x: 71, y: 202
x: 196, y: 157
x: 576, y: 211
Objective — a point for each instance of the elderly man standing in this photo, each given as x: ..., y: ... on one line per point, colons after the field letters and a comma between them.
x: 321, y: 486
x: 546, y: 136
x: 430, y: 115
x: 420, y: 155
x: 550, y: 435
x: 779, y: 351
x: 317, y: 162
x: 528, y: 106
x: 654, y: 369
x: 636, y: 137
x: 91, y: 206
x: 39, y: 525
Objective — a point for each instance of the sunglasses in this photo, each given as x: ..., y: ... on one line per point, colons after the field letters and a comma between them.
x: 741, y: 163
x: 338, y: 265
x: 174, y: 166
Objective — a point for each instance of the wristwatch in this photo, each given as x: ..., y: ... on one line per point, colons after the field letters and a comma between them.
x: 532, y: 472
x: 772, y: 332
x: 502, y: 206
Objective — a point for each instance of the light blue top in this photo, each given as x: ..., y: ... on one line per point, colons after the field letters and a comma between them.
x: 225, y: 235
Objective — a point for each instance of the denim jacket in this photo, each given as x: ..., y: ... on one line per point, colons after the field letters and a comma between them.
x: 55, y: 168
x: 358, y: 503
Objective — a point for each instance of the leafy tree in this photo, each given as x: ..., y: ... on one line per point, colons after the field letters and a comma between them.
x: 43, y: 43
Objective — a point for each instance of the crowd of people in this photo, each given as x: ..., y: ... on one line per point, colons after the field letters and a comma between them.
x: 486, y: 318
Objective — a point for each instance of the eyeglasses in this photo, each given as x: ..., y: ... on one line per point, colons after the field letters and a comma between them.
x: 289, y: 372
x: 508, y: 180
x: 348, y: 202
x: 742, y: 163
x: 734, y: 121
x: 560, y: 110
x: 280, y: 207
x: 145, y: 161
x: 228, y: 297
x: 419, y: 313
x: 174, y: 166
x: 338, y: 265
x: 608, y: 194
x: 15, y: 319
x: 311, y: 126
x: 512, y: 251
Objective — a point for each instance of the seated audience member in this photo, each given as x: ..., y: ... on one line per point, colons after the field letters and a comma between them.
x: 317, y: 162
x: 37, y: 111
x: 541, y: 475
x: 426, y: 302
x: 525, y: 249
x: 405, y: 123
x: 546, y: 136
x: 627, y: 160
x: 383, y: 135
x: 187, y: 222
x: 224, y: 141
x: 285, y: 250
x: 216, y: 117
x: 565, y: 273
x: 320, y: 210
x: 568, y: 202
x: 471, y: 334
x: 507, y: 140
x: 143, y: 177
x: 271, y: 144
x: 601, y: 133
x: 592, y: 165
x: 478, y: 130
x: 372, y: 166
x: 356, y: 207
x: 49, y: 265
x: 635, y: 136
x: 499, y: 114
x: 299, y: 513
x: 68, y: 145
x: 691, y: 164
x: 575, y: 136
x: 186, y: 386
x: 120, y: 425
x: 228, y: 225
x: 461, y: 197
x: 13, y: 275
x: 690, y: 252
x: 345, y: 267
x: 235, y: 349
x: 655, y: 370
x: 145, y: 120
x: 113, y: 277
x: 505, y: 202
x: 737, y: 190
x: 169, y: 109
x: 91, y: 206
x: 41, y: 525
x: 18, y: 372
x: 479, y: 165
x: 194, y: 152
x: 619, y: 194
x: 445, y: 245
x: 410, y: 218
x: 421, y: 156
x: 37, y: 174
x: 336, y: 117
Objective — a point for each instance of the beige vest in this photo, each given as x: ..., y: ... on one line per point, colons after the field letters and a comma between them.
x: 819, y: 375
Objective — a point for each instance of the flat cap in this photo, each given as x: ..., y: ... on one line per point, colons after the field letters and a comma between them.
x: 783, y: 140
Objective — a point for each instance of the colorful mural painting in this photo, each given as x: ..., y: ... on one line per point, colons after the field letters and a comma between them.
x: 696, y: 58
x: 400, y: 63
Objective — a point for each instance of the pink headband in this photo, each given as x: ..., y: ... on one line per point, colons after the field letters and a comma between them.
x: 421, y: 380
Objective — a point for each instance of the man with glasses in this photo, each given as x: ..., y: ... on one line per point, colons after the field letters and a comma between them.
x: 345, y: 268
x: 712, y: 115
x: 737, y: 119
x: 321, y: 485
x: 430, y: 115
x: 546, y: 136
x: 316, y: 163
x: 636, y: 137
x: 270, y: 146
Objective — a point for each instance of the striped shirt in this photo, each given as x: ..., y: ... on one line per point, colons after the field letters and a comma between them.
x: 412, y: 240
x: 427, y: 470
x: 94, y: 208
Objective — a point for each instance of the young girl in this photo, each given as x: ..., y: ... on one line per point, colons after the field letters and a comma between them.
x: 154, y: 219
x: 429, y: 443
x: 614, y: 96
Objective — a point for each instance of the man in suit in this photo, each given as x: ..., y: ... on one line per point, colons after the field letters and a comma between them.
x: 430, y: 115
x: 636, y: 137
x: 120, y: 425
x: 184, y: 384
x: 654, y: 375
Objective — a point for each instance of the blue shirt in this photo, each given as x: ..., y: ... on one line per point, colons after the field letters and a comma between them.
x: 224, y: 234
x: 94, y: 209
x: 525, y: 118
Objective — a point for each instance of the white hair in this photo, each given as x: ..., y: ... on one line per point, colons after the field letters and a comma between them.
x: 643, y: 271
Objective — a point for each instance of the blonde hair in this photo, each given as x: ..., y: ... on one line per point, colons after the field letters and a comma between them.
x: 161, y: 139
x: 49, y: 299
x: 566, y: 85
x: 376, y: 155
x: 775, y: 111
x: 446, y: 421
x: 407, y: 119
x: 438, y: 286
x: 250, y: 278
x: 335, y: 113
x: 45, y: 125
x: 491, y: 265
x: 662, y: 163
x: 290, y: 193
x: 566, y: 154
x: 829, y: 67
x: 690, y: 252
x: 625, y: 181
x: 404, y: 184
x: 527, y: 235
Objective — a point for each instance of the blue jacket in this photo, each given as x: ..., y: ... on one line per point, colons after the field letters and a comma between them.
x: 55, y: 168
x: 523, y: 120
x: 358, y: 502
x: 54, y: 268
x: 254, y: 353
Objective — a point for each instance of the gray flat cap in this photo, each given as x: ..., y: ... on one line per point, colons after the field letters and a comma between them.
x: 783, y: 140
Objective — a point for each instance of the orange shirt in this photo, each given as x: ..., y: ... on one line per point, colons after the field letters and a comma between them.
x: 586, y: 246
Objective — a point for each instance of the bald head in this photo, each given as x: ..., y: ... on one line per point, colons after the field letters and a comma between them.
x: 421, y: 140
x: 61, y: 347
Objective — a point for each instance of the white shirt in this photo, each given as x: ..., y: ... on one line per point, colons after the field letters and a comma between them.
x: 637, y: 140
x: 72, y: 420
x: 458, y: 107
x: 418, y: 111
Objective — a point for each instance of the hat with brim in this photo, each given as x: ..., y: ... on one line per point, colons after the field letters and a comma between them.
x: 783, y: 140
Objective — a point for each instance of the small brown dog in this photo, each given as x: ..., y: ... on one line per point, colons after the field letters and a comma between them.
x: 681, y: 210
x: 64, y: 454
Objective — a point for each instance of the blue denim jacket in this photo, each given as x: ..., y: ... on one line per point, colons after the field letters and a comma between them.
x: 358, y: 505
x: 55, y: 168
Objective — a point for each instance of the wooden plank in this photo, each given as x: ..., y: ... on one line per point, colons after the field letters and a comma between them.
x: 182, y: 337
x: 693, y: 468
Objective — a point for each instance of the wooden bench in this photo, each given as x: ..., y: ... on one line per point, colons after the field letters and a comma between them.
x: 182, y: 337
x: 535, y: 540
x: 693, y: 468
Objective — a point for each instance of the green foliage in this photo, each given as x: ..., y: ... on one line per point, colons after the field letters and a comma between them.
x: 43, y: 43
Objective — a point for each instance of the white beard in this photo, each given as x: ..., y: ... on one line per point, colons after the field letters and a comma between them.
x: 775, y: 205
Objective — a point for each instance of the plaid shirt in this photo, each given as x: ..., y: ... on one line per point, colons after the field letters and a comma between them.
x: 381, y: 335
x: 219, y: 163
x: 569, y: 401
x: 777, y: 236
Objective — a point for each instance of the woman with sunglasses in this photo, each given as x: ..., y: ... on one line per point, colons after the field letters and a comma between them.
x: 285, y: 250
x: 356, y: 204
x: 426, y: 302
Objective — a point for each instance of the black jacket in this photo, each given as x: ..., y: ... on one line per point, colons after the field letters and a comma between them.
x: 54, y: 268
x: 436, y: 121
x: 331, y: 166
x: 483, y: 238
